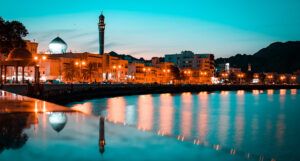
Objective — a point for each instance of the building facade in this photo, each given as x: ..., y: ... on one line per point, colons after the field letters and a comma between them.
x: 197, y: 68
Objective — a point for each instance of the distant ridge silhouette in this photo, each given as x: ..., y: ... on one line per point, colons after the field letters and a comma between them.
x: 277, y: 57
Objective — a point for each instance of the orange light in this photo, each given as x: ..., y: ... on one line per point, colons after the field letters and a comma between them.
x: 114, y: 67
x: 282, y: 77
x: 144, y: 69
x: 76, y: 63
x: 83, y: 63
x: 44, y: 57
x: 36, y: 58
x: 119, y: 66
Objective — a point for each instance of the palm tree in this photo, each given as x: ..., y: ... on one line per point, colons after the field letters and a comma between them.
x: 70, y: 72
x: 90, y: 71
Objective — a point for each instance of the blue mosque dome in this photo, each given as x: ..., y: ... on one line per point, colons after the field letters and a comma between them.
x: 58, y: 46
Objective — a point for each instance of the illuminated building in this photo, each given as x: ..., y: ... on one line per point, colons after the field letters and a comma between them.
x: 164, y: 73
x: 136, y: 72
x: 182, y: 60
x: 31, y: 46
x: 116, y: 69
x: 202, y: 65
x: 256, y: 78
x: 19, y: 66
x: 58, y: 46
x: 140, y: 73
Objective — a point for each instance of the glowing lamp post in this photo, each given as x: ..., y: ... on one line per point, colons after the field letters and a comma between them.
x: 80, y: 64
x: 282, y: 78
x: 270, y: 78
x: 147, y: 71
x: 224, y: 76
x: 167, y: 71
x: 40, y: 60
x: 293, y: 79
x: 187, y: 73
x: 240, y: 77
x: 203, y: 74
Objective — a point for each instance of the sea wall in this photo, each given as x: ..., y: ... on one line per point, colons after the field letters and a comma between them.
x: 66, y: 93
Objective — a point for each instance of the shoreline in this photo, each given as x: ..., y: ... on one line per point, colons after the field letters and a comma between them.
x: 64, y: 94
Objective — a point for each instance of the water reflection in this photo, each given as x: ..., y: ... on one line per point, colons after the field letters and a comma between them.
x: 203, y: 115
x: 145, y: 112
x: 58, y: 120
x: 270, y: 91
x: 222, y: 120
x: 116, y: 110
x: 101, y: 134
x: 12, y: 128
x: 186, y: 114
x: 223, y: 124
x: 166, y: 114
x: 239, y: 118
x: 293, y: 91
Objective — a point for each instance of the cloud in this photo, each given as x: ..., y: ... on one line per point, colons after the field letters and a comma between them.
x: 113, y: 44
x: 81, y: 35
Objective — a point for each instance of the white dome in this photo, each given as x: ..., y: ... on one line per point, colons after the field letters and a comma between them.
x: 58, y: 120
x: 58, y: 46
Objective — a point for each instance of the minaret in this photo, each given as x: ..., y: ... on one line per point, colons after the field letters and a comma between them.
x: 101, y: 26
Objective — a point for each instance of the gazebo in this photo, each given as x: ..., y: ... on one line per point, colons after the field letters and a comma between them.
x: 18, y: 57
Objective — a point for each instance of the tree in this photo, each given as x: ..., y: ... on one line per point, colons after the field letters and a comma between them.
x: 11, y: 34
x: 70, y: 72
x: 90, y: 71
x: 12, y: 134
x: 175, y: 72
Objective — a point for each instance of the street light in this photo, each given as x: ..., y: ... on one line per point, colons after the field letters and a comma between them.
x: 293, y: 79
x: 80, y: 64
x: 39, y: 60
x: 115, y: 68
x: 240, y: 76
x: 282, y: 78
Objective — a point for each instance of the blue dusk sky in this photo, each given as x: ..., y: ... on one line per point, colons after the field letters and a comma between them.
x: 146, y: 28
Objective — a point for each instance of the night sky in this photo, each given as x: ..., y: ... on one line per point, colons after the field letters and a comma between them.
x: 156, y: 27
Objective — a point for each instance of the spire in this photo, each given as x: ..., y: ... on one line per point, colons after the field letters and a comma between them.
x: 101, y: 26
x: 101, y: 16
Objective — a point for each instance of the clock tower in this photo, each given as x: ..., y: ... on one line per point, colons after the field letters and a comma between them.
x: 101, y: 26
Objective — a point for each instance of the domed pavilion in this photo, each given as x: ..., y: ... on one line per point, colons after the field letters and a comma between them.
x: 18, y: 58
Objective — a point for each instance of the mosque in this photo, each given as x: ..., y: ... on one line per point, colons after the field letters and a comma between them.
x: 58, y: 65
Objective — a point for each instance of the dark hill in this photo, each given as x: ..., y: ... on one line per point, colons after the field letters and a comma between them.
x: 277, y: 57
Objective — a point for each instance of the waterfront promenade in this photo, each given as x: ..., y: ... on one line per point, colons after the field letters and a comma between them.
x: 66, y: 93
x: 14, y: 103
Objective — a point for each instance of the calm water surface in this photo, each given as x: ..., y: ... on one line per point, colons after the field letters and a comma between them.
x: 237, y: 125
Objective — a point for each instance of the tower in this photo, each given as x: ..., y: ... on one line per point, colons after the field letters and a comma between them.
x: 101, y: 26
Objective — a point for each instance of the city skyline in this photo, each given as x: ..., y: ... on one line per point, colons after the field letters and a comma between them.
x: 147, y: 29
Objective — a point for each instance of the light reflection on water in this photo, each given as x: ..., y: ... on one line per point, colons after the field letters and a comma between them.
x: 257, y: 125
x: 254, y: 122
